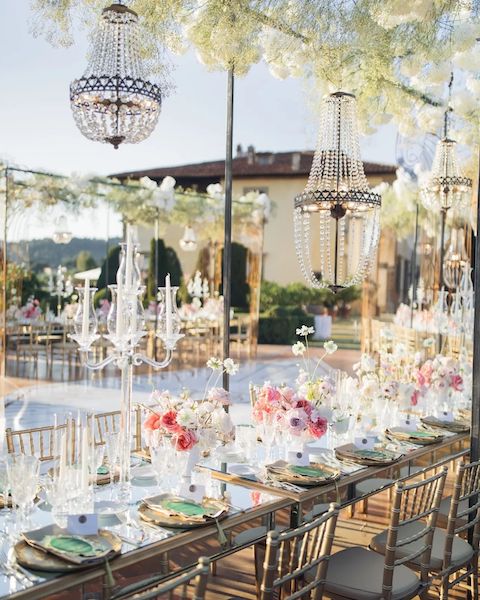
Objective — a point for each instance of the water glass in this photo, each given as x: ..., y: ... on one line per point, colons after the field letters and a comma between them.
x: 23, y: 476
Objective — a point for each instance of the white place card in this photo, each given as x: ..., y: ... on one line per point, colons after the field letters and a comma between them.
x: 408, y: 423
x: 82, y: 524
x: 193, y: 491
x: 366, y: 442
x: 443, y: 415
x: 299, y: 458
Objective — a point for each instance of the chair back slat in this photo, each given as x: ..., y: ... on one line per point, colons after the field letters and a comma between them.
x: 36, y: 441
x: 109, y: 422
x: 465, y: 490
x: 192, y: 585
x: 293, y: 554
x: 416, y: 502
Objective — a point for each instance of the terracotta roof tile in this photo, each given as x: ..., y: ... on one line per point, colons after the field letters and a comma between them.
x: 273, y: 164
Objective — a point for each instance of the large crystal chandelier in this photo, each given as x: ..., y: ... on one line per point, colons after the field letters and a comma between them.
x: 337, y: 217
x: 114, y: 102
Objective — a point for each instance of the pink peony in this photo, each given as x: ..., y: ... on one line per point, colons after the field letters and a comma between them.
x: 297, y: 420
x: 153, y: 421
x: 305, y: 405
x: 169, y: 421
x: 184, y: 440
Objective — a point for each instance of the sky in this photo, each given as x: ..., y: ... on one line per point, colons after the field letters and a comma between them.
x: 37, y: 130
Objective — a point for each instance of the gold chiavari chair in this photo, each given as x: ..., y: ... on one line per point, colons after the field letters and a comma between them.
x: 357, y: 572
x: 37, y: 441
x: 109, y: 422
x: 191, y: 585
x: 296, y: 561
x: 450, y: 553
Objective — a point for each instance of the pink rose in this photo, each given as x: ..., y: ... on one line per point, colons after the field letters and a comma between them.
x: 184, y: 440
x: 414, y: 398
x: 457, y: 383
x: 152, y: 422
x: 169, y: 421
x: 318, y: 427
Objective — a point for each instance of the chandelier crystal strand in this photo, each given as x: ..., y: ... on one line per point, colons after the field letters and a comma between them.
x: 337, y: 191
x: 114, y: 102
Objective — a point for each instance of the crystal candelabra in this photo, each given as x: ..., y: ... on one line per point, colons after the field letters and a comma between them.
x: 126, y: 327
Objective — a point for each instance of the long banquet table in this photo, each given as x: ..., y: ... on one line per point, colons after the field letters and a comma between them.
x: 252, y: 503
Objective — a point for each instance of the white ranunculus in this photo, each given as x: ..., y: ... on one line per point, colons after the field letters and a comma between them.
x: 168, y: 183
x: 205, y: 408
x: 223, y: 421
x: 147, y: 183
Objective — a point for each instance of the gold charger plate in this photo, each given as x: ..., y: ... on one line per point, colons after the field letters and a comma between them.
x: 148, y: 513
x: 312, y: 475
x: 368, y: 458
x: 35, y: 559
x: 452, y: 426
x: 421, y: 437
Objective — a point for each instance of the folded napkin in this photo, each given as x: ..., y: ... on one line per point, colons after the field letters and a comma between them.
x: 183, y: 509
x: 73, y: 548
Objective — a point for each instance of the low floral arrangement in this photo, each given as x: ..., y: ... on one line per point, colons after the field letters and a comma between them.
x: 31, y: 310
x: 305, y: 410
x: 187, y: 421
x: 441, y: 375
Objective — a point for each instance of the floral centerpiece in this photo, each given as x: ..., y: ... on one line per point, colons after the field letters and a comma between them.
x: 303, y: 411
x: 439, y: 378
x: 188, y: 422
x: 31, y: 310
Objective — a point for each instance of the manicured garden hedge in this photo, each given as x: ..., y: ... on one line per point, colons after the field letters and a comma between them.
x: 279, y: 323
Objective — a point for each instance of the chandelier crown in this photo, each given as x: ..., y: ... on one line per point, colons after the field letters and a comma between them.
x: 114, y: 102
x: 337, y: 200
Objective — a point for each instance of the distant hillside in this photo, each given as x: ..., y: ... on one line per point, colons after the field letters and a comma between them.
x: 39, y: 254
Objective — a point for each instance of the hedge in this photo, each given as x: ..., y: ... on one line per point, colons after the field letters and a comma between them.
x: 279, y: 324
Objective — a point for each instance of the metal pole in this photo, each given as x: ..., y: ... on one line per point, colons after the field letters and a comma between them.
x: 413, y: 277
x: 442, y: 249
x: 475, y: 425
x: 5, y: 275
x: 227, y: 245
x: 155, y: 279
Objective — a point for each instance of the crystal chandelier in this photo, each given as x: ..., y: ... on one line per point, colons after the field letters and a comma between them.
x: 446, y: 187
x: 114, y: 102
x: 188, y: 242
x: 62, y: 235
x: 337, y: 215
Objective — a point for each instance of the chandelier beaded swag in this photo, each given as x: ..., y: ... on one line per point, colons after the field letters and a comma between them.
x: 337, y: 212
x: 114, y: 102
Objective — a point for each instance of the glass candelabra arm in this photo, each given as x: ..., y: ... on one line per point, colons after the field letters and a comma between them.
x: 84, y: 342
x: 100, y: 365
x: 138, y: 359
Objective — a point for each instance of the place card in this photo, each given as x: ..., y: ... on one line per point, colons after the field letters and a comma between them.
x: 408, y: 423
x: 366, y: 442
x: 82, y: 524
x: 446, y: 416
x: 193, y: 491
x: 298, y: 458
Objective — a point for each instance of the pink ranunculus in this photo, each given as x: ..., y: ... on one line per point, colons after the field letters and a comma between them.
x: 419, y: 376
x: 268, y: 393
x: 184, y: 440
x: 318, y: 427
x: 414, y: 397
x: 457, y: 383
x: 287, y: 394
x: 169, y: 421
x: 219, y: 395
x: 153, y: 421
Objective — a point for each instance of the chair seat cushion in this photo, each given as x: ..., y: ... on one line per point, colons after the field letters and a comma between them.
x: 357, y: 574
x: 254, y: 533
x: 370, y: 485
x: 462, y: 552
x: 317, y: 510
